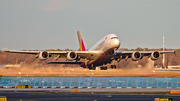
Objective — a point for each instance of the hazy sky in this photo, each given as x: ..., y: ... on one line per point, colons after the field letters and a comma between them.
x: 53, y: 24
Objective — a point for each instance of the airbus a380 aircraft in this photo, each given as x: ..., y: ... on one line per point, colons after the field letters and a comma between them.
x: 103, y: 52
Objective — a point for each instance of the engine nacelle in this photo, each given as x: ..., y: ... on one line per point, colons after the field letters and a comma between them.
x: 71, y: 56
x: 136, y: 56
x: 155, y: 55
x: 43, y: 55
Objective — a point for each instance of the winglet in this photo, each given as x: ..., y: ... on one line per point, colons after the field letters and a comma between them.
x: 81, y: 42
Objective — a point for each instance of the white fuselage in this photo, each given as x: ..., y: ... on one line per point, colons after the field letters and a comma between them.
x: 110, y: 41
x: 106, y: 46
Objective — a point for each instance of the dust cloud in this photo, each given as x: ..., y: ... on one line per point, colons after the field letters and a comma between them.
x: 150, y: 64
x: 59, y: 70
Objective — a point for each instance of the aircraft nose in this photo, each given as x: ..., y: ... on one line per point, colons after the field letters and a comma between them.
x: 116, y: 43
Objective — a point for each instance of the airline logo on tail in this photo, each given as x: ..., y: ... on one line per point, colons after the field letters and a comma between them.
x: 81, y: 42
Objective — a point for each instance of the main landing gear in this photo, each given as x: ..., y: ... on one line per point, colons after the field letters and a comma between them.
x: 103, y: 68
x: 91, y: 67
x: 113, y: 66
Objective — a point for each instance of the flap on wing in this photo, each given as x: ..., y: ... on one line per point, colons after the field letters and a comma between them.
x: 142, y: 52
x: 64, y: 62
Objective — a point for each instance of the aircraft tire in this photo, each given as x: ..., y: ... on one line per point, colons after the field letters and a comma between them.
x: 114, y: 66
x: 102, y: 68
x: 105, y: 68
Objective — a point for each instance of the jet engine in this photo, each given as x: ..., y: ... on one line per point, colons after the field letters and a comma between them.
x: 136, y: 56
x: 43, y: 55
x: 155, y: 55
x: 71, y: 56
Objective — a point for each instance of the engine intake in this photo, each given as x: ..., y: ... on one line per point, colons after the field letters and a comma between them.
x: 71, y: 56
x: 155, y: 55
x: 136, y: 56
x: 43, y: 55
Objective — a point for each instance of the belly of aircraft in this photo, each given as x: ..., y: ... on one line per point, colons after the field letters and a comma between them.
x: 103, y: 58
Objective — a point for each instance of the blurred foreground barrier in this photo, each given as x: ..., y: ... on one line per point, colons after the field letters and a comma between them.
x: 175, y: 92
x: 163, y: 99
x: 75, y: 90
x: 23, y: 86
x: 3, y: 98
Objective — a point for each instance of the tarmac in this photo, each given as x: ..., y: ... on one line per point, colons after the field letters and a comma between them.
x: 28, y: 96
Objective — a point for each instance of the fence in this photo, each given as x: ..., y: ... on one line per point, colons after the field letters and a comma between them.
x: 91, y: 81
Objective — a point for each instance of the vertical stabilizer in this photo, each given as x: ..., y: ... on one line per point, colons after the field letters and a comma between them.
x: 81, y: 42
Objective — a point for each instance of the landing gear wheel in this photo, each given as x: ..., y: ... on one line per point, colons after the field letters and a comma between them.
x: 92, y: 68
x: 111, y: 66
x: 103, y: 68
x: 114, y: 66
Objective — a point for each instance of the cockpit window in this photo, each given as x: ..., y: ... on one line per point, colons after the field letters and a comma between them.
x: 114, y: 38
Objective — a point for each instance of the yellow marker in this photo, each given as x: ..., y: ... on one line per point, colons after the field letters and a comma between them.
x: 23, y: 86
x: 29, y: 86
x: 163, y: 99
x: 18, y: 86
x: 3, y: 98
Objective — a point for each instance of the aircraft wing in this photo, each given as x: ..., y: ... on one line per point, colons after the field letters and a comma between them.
x: 64, y: 62
x: 128, y: 54
x: 61, y: 54
x: 142, y: 52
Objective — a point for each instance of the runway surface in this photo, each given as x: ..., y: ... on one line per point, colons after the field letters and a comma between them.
x: 93, y: 89
x: 81, y: 97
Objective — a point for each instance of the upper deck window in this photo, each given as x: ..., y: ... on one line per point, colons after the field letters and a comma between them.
x: 114, y: 38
